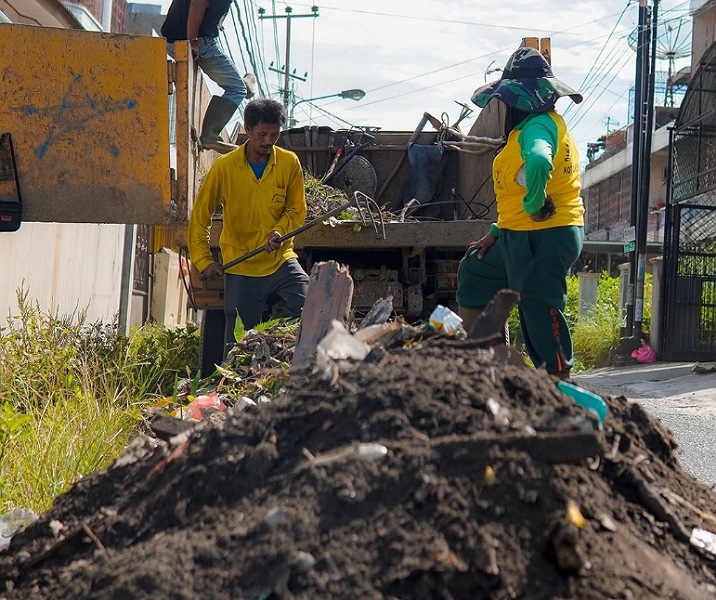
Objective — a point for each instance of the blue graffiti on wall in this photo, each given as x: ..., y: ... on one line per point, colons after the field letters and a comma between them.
x: 74, y: 111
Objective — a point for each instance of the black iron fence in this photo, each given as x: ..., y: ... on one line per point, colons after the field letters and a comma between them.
x: 689, y: 290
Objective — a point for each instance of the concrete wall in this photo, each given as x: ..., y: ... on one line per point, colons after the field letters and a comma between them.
x: 65, y: 268
x: 169, y: 298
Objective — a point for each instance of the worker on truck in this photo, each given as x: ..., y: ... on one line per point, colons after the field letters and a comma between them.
x: 540, y: 225
x: 199, y: 21
x: 261, y: 189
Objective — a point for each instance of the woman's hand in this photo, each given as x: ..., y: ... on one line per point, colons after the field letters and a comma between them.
x: 548, y: 210
x: 482, y: 246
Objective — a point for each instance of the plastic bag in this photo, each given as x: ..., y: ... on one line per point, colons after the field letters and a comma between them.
x: 445, y: 320
x: 12, y: 522
x: 203, y: 405
x: 644, y: 354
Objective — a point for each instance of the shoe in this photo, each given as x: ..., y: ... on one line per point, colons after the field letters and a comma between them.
x: 250, y: 82
x: 217, y: 115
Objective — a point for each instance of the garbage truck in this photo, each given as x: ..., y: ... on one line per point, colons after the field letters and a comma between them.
x: 101, y: 129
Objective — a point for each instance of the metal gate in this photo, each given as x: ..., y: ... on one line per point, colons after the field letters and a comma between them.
x: 689, y: 282
x: 142, y: 267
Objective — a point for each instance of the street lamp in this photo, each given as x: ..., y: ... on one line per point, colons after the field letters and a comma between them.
x: 345, y: 94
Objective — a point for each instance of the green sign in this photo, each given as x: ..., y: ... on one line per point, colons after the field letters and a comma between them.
x: 629, y: 247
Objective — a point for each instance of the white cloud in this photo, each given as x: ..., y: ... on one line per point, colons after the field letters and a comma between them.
x: 412, y: 56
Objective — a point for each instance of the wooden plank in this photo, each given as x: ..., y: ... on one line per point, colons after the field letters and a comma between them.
x: 329, y: 296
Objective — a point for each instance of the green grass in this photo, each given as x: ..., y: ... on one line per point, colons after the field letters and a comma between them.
x: 72, y: 395
x: 596, y: 334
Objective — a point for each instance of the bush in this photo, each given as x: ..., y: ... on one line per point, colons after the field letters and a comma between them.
x: 72, y: 396
x: 596, y: 335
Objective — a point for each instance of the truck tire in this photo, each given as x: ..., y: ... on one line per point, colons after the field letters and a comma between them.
x: 357, y: 175
x: 212, y: 340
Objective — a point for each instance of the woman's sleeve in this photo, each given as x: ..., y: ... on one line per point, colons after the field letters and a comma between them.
x: 538, y: 145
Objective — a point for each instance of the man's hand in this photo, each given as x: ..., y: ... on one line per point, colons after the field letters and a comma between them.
x: 482, y: 246
x: 545, y: 212
x: 272, y: 241
x: 212, y: 272
x: 194, y: 45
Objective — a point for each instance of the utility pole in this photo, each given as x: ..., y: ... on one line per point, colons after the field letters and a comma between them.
x: 643, y: 215
x: 636, y: 163
x: 635, y: 236
x: 286, y: 70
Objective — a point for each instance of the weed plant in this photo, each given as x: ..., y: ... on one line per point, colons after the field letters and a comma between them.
x: 596, y: 334
x: 78, y: 390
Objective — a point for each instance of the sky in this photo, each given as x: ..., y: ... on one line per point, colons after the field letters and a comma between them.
x: 411, y: 56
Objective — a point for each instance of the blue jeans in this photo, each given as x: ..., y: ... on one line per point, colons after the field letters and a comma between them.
x: 219, y: 68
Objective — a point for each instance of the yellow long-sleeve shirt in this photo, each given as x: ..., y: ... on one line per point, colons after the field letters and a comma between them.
x: 252, y: 209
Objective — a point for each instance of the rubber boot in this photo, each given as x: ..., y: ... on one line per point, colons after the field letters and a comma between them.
x: 251, y: 85
x: 217, y: 115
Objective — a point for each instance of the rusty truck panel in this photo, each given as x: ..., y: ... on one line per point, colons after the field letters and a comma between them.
x: 88, y: 114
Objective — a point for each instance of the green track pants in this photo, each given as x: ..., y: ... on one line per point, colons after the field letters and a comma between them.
x: 535, y: 264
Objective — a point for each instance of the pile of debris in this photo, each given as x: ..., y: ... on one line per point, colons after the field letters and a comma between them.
x: 433, y: 470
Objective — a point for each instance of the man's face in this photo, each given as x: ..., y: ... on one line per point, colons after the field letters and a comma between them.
x: 262, y: 137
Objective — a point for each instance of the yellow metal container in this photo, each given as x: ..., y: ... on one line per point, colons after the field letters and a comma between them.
x: 89, y: 118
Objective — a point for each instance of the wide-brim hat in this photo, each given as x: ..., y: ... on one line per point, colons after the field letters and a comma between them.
x: 527, y: 84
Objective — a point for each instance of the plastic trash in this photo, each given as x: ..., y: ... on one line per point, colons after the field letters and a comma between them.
x: 585, y: 398
x: 204, y: 405
x: 12, y: 522
x: 338, y: 344
x: 501, y: 414
x: 366, y: 451
x: 701, y: 538
x: 445, y: 320
x: 644, y: 354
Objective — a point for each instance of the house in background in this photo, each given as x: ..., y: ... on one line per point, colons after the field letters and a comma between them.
x: 606, y: 181
x: 682, y: 202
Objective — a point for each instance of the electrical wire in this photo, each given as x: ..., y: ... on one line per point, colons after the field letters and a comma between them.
x: 249, y: 47
x: 329, y: 115
x: 587, y: 79
x: 254, y: 36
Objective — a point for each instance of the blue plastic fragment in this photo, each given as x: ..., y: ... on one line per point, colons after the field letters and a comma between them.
x: 585, y: 399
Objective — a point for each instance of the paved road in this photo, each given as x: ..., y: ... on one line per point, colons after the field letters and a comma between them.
x: 683, y: 400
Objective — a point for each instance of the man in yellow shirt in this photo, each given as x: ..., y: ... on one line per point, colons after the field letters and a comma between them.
x: 262, y: 192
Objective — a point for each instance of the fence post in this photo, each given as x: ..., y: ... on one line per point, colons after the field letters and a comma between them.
x: 657, y: 278
x: 588, y: 283
x: 623, y: 289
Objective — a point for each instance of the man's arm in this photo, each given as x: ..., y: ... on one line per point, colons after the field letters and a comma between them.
x: 197, y: 8
x: 207, y: 199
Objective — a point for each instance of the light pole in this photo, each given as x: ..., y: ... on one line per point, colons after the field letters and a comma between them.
x: 345, y: 94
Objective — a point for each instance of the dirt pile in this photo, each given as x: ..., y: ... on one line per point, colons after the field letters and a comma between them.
x: 435, y: 472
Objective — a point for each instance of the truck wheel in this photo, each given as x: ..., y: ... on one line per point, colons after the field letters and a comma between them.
x: 357, y: 175
x: 212, y: 340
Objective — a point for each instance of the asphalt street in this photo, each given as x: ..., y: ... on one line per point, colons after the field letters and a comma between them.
x: 684, y: 400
